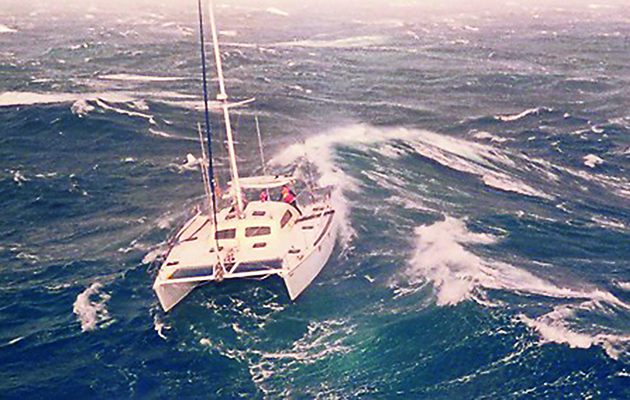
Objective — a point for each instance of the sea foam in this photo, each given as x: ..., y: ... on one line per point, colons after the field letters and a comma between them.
x: 445, y: 258
x: 90, y: 308
x: 319, y: 150
x: 6, y: 29
x: 30, y: 98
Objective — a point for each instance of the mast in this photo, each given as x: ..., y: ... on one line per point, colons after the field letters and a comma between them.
x: 209, y: 170
x: 223, y: 98
x: 260, y: 146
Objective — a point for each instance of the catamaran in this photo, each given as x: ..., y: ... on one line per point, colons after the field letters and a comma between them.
x: 256, y: 239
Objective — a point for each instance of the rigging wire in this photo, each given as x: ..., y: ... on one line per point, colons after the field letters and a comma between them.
x: 207, y: 115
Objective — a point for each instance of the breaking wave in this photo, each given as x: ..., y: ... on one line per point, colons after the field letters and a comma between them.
x: 6, y: 29
x: 444, y: 257
x: 90, y: 307
x: 31, y: 98
x: 140, y: 78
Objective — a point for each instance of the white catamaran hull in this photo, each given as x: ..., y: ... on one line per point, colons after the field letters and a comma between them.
x: 280, y: 242
x: 170, y: 295
x: 301, y: 274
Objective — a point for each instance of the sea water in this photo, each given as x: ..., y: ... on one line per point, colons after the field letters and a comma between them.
x: 478, y: 160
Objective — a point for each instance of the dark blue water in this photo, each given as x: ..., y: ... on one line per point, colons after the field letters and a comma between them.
x: 480, y: 164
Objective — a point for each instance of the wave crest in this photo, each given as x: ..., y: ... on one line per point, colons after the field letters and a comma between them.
x: 90, y: 308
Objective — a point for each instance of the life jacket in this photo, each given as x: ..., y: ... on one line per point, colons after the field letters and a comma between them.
x: 288, y: 196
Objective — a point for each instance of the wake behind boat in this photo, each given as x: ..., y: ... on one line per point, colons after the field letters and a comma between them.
x: 246, y: 239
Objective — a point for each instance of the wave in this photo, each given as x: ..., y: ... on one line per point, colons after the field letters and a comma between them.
x: 171, y: 135
x: 277, y: 11
x: 462, y: 155
x: 319, y: 151
x: 140, y: 78
x: 350, y: 42
x: 516, y: 117
x: 81, y: 107
x: 104, y: 105
x: 6, y: 29
x: 554, y: 328
x: 591, y: 160
x: 473, y: 158
x: 609, y: 223
x: 8, y: 99
x: 159, y: 326
x: 618, y: 185
x: 268, y: 368
x: 443, y: 256
x: 483, y: 135
x: 92, y: 313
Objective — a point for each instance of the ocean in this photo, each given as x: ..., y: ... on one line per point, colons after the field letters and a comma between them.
x: 479, y: 160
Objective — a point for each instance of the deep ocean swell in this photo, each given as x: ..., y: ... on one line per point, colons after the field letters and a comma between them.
x: 479, y: 166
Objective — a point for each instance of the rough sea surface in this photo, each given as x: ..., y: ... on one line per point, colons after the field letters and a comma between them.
x: 481, y: 165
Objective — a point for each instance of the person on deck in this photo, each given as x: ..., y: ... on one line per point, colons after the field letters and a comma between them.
x: 264, y: 196
x: 289, y: 197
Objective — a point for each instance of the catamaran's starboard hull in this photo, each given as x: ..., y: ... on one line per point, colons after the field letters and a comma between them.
x: 299, y: 276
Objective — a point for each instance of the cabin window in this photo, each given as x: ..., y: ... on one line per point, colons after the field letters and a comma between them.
x: 259, y: 245
x: 226, y: 234
x: 285, y: 218
x: 258, y: 213
x: 257, y: 231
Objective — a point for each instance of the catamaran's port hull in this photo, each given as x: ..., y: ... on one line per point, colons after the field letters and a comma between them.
x: 171, y: 294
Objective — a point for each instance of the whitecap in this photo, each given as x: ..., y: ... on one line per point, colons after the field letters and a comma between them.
x: 473, y: 158
x: 228, y: 33
x: 160, y: 133
x: 159, y: 326
x: 319, y: 151
x: 12, y: 341
x: 191, y: 163
x: 140, y: 78
x: 277, y: 11
x: 140, y: 105
x: 592, y: 160
x: 108, y: 107
x: 90, y: 308
x: 553, y: 327
x: 444, y: 257
x: 16, y: 340
x: 516, y: 117
x: 322, y: 339
x: 18, y: 177
x: 610, y: 223
x: 31, y: 98
x: 349, y: 42
x: 409, y: 203
x: 487, y: 136
x: 6, y: 29
x: 154, y: 254
x: 81, y: 107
